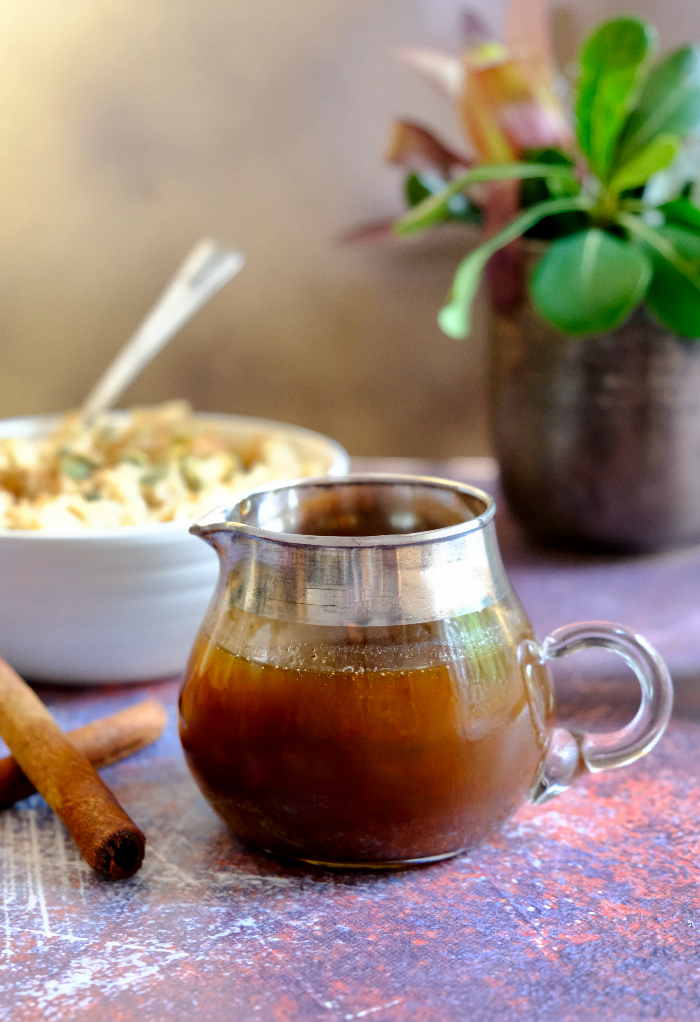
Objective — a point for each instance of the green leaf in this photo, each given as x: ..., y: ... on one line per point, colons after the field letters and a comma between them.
x: 613, y: 64
x: 534, y: 190
x: 415, y: 190
x: 432, y: 210
x: 672, y: 295
x: 590, y: 281
x: 418, y: 187
x: 680, y: 178
x: 682, y: 211
x: 669, y: 102
x: 658, y: 155
x: 455, y: 317
x: 660, y: 242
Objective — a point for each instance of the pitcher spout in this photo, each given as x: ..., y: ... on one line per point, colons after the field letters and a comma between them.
x: 216, y: 528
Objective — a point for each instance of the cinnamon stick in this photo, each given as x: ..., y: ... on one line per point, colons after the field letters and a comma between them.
x: 103, y: 741
x: 106, y: 838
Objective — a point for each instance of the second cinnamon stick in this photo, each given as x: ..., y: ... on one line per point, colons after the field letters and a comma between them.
x: 103, y: 741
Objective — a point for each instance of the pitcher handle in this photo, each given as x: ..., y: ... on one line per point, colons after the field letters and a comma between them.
x: 571, y: 753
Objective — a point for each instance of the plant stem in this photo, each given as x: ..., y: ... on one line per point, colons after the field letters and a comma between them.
x: 432, y: 209
x: 665, y: 248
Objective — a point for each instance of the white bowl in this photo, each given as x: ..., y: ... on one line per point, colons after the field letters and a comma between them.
x: 119, y: 604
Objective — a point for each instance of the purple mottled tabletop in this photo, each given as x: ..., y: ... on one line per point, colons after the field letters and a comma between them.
x: 585, y: 908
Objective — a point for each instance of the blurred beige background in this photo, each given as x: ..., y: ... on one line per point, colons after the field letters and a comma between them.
x: 130, y: 130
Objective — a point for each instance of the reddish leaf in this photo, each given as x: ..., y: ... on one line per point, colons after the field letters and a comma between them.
x: 506, y: 110
x: 416, y: 148
x: 380, y: 230
x: 475, y: 30
x: 442, y: 71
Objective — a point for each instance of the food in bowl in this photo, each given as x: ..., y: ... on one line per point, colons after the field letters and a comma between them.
x: 101, y: 604
x: 145, y: 466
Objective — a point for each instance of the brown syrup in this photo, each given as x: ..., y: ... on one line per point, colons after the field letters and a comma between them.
x: 360, y: 766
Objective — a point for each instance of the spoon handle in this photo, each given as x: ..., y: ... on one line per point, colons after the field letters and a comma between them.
x: 204, y: 272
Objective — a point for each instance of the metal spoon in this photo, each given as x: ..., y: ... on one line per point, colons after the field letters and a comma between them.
x: 204, y: 272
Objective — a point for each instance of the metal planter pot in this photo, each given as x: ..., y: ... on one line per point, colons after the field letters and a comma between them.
x: 598, y: 438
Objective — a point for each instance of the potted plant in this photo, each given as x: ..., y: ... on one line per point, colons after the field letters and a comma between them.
x: 592, y: 254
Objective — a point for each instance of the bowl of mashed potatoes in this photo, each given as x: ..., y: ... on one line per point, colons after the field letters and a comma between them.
x: 100, y: 580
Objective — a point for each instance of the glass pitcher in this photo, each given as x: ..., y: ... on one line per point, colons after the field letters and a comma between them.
x: 366, y: 689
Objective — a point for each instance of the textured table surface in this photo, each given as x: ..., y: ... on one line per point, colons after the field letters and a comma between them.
x: 586, y: 908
